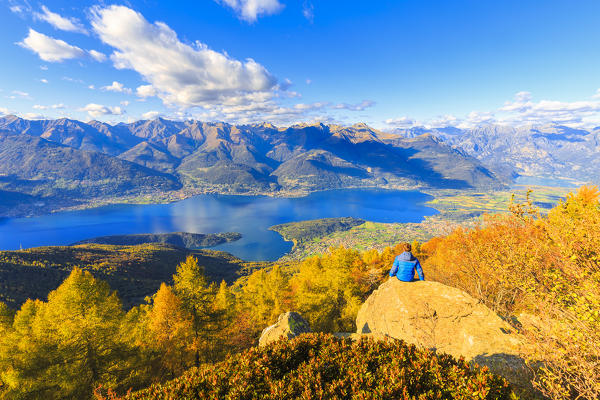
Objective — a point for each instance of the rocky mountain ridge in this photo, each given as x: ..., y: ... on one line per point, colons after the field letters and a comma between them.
x: 539, y: 151
x: 219, y: 157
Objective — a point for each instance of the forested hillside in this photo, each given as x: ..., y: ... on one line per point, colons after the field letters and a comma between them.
x: 134, y: 271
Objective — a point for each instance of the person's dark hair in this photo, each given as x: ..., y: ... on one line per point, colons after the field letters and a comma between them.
x: 405, y: 247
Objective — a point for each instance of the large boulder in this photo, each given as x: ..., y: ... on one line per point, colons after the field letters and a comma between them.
x: 288, y: 325
x: 436, y: 316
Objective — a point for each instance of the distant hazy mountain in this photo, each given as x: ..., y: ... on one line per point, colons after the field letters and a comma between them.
x: 540, y: 151
x: 83, y: 160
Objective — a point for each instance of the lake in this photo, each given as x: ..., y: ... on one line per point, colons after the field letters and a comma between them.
x: 249, y: 215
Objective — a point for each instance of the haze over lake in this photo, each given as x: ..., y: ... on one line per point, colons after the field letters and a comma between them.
x: 249, y: 215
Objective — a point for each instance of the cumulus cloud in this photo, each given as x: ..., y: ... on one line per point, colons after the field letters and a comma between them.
x: 4, y: 111
x: 150, y: 115
x: 117, y: 87
x: 308, y: 10
x: 98, y: 110
x: 60, y: 22
x: 74, y: 80
x: 32, y: 116
x: 17, y: 9
x: 521, y: 110
x: 181, y: 74
x: 479, y: 118
x: 43, y: 80
x: 50, y: 49
x: 401, y: 122
x: 18, y: 94
x: 145, y: 91
x: 96, y: 55
x: 250, y: 10
x: 59, y: 106
x: 363, y: 105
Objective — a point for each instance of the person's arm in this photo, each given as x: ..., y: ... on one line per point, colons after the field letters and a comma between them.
x: 420, y: 271
x: 394, y: 269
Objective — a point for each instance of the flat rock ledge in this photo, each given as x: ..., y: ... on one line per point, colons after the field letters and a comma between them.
x: 435, y: 316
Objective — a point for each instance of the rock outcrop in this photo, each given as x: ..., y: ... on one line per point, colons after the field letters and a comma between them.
x: 288, y: 325
x: 433, y: 315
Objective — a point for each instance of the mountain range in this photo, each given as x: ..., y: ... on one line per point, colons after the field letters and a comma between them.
x: 51, y: 163
x: 547, y: 151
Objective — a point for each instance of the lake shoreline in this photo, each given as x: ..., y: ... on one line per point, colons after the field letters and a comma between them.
x: 41, y: 208
x: 252, y: 216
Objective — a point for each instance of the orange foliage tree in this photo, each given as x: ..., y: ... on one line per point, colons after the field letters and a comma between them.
x: 544, y: 270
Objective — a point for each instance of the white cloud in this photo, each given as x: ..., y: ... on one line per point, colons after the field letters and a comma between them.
x: 44, y: 67
x: 50, y: 49
x: 150, y: 115
x: 4, y: 111
x: 32, y: 116
x: 402, y: 122
x: 59, y: 106
x: 43, y: 80
x: 444, y: 121
x: 286, y: 84
x: 145, y: 91
x: 60, y: 22
x: 523, y: 96
x: 522, y: 110
x: 308, y: 10
x: 117, y: 87
x: 91, y: 87
x: 308, y: 81
x: 475, y: 118
x: 96, y: 55
x: 124, y: 103
x: 18, y: 94
x: 97, y: 110
x: 74, y: 80
x: 363, y: 105
x: 250, y: 10
x: 17, y: 9
x: 181, y: 74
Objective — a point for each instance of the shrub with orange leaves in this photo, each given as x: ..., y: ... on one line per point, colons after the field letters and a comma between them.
x: 545, y: 271
x: 318, y: 366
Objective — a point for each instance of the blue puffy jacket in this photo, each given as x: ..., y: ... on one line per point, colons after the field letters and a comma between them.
x: 404, y: 267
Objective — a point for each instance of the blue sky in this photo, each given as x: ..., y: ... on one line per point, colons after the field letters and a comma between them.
x: 387, y: 63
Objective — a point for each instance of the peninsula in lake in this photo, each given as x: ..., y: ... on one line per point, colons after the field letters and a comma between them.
x: 180, y: 239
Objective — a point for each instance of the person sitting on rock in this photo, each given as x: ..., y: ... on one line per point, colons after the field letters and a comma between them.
x: 405, y: 265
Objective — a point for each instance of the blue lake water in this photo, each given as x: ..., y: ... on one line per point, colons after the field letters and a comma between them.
x: 249, y: 215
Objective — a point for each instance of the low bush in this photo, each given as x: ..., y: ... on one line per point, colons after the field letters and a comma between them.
x: 321, y: 366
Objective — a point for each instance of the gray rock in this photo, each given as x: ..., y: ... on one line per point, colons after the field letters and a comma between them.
x: 288, y: 325
x: 432, y: 315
